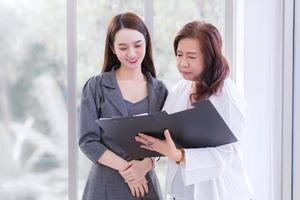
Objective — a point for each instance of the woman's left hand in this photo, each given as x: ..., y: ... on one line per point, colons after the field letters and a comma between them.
x: 166, y: 147
x: 136, y: 170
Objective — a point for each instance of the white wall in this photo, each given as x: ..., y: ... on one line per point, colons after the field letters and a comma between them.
x: 296, y: 172
x: 262, y: 87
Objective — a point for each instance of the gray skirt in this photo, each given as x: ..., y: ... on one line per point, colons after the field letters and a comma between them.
x: 105, y: 183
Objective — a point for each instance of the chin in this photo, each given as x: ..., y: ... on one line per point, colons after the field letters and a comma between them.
x: 187, y: 77
x: 134, y: 66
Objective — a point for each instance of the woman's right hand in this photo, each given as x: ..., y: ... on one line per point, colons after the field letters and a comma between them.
x: 136, y: 169
x: 139, y: 188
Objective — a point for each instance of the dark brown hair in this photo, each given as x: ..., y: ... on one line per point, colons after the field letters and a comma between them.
x: 131, y: 21
x: 216, y: 67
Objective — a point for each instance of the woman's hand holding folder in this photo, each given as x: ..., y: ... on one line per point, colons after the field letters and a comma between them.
x: 166, y: 147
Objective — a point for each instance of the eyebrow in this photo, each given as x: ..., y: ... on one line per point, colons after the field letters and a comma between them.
x: 189, y: 52
x: 120, y: 44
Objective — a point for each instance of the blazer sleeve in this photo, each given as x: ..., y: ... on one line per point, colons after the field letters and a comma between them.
x: 203, y: 164
x: 89, y: 132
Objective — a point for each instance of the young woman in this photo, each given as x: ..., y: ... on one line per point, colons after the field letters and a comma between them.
x: 204, y: 173
x: 126, y: 86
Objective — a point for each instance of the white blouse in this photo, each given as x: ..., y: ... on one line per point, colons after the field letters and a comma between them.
x: 216, y: 173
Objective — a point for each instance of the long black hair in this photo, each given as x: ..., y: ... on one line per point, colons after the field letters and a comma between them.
x: 131, y: 21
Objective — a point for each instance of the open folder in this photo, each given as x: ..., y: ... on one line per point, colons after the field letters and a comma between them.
x: 198, y: 127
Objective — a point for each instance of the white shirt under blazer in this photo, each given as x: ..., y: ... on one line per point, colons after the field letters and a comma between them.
x: 214, y: 173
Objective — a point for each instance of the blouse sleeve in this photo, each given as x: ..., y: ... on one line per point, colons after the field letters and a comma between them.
x: 89, y: 132
x: 203, y: 164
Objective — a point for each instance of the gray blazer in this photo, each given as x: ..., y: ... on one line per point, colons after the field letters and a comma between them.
x: 101, y: 97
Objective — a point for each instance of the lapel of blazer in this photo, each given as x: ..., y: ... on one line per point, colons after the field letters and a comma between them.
x: 113, y: 92
x: 152, y: 94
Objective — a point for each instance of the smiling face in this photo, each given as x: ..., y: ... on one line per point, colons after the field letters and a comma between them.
x: 189, y: 58
x: 130, y: 48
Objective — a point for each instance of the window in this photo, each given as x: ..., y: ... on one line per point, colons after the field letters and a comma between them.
x: 33, y: 82
x: 169, y: 17
x: 33, y: 116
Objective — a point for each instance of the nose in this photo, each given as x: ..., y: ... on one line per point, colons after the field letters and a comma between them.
x: 183, y: 62
x: 131, y: 53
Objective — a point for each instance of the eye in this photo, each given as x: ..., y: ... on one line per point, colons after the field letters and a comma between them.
x: 123, y: 49
x: 179, y: 55
x: 190, y: 57
x: 137, y: 46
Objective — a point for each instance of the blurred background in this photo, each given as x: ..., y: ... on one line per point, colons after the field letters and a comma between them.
x: 260, y: 42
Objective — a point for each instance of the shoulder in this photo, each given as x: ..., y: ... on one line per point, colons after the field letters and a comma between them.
x: 92, y: 86
x: 181, y: 87
x: 160, y: 90
x: 231, y: 98
x: 228, y: 92
x: 178, y: 97
x: 230, y: 88
x: 158, y: 85
x: 92, y: 82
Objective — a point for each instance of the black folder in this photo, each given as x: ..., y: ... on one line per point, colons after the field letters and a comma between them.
x: 198, y: 127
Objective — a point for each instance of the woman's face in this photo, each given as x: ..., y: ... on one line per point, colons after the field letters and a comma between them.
x: 130, y: 48
x: 189, y: 58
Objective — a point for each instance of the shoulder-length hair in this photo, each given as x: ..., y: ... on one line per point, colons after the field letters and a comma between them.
x: 131, y: 21
x: 216, y: 68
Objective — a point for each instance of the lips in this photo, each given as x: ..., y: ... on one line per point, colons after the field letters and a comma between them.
x: 185, y: 72
x: 132, y: 61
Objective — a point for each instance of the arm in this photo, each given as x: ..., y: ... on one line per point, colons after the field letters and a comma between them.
x: 135, y: 174
x: 137, y: 169
x: 110, y: 159
x: 166, y: 147
x: 90, y: 134
x: 203, y: 164
x: 138, y: 187
x: 197, y: 164
x: 90, y: 138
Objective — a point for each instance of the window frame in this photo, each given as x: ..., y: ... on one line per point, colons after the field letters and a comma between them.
x: 71, y: 11
x: 287, y: 100
x: 296, y: 108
